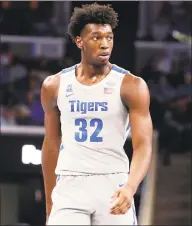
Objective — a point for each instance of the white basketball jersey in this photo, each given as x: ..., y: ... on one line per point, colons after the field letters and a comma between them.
x: 94, y: 125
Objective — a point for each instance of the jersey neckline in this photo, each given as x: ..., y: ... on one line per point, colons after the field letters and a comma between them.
x: 93, y: 85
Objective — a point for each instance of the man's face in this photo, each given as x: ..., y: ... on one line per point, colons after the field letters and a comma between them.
x: 96, y: 43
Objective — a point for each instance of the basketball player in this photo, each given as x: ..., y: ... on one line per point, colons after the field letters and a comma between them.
x: 89, y: 110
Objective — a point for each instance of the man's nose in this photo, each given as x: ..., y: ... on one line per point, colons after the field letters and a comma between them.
x: 104, y: 44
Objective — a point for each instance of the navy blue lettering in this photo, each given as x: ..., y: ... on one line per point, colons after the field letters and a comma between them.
x: 104, y: 106
x: 97, y: 104
x: 91, y: 106
x: 84, y: 107
x: 72, y: 108
x: 78, y: 108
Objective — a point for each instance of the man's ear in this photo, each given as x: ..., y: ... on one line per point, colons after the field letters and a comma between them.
x: 79, y: 42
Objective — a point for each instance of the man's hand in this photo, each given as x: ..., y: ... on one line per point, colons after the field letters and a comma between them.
x: 122, y: 200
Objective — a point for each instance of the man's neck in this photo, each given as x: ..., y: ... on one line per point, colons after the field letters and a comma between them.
x: 90, y: 70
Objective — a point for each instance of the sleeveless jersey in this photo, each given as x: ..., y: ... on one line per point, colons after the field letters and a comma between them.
x: 94, y: 125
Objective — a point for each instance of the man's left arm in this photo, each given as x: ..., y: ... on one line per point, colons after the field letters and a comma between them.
x: 137, y: 99
x: 135, y: 95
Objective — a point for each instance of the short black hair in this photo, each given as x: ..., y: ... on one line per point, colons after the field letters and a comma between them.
x: 91, y: 14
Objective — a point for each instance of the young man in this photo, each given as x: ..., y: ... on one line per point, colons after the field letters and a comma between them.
x: 97, y: 103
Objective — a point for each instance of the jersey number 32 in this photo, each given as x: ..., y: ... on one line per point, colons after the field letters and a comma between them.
x: 82, y: 135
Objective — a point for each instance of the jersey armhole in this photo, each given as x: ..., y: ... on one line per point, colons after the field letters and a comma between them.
x: 59, y: 90
x: 125, y: 107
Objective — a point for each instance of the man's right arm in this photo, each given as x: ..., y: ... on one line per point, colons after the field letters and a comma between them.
x: 52, y: 138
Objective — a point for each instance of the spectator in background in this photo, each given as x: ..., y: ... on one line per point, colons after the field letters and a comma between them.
x: 184, y: 61
x: 161, y: 93
x: 163, y: 64
x: 5, y: 61
x: 176, y: 131
x: 34, y: 87
x: 186, y: 88
x: 7, y: 116
x: 22, y: 114
x: 4, y: 75
x: 36, y: 112
x: 149, y: 72
x: 157, y: 65
x: 161, y: 29
x: 33, y: 101
x: 28, y: 105
x: 17, y: 70
x: 18, y: 76
x: 176, y: 74
x: 42, y: 70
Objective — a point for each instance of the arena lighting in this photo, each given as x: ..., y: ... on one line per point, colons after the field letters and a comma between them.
x: 30, y: 155
x: 182, y: 37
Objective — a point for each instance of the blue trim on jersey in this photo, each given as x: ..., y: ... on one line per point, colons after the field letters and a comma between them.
x: 128, y: 127
x: 58, y: 178
x: 127, y: 131
x: 61, y: 147
x: 119, y: 69
x: 134, y: 215
x: 114, y: 67
x: 68, y: 69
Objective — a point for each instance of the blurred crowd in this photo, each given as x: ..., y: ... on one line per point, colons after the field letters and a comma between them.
x: 169, y: 82
x: 20, y: 85
x: 35, y: 18
x: 160, y: 19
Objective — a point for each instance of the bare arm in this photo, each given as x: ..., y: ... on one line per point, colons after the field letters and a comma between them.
x: 135, y: 95
x: 52, y: 138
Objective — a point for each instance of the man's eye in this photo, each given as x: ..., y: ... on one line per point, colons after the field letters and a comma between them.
x: 95, y: 38
x: 110, y: 38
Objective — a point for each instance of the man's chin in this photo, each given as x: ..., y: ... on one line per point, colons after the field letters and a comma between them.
x: 102, y: 62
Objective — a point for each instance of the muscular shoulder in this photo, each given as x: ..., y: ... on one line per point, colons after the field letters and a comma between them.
x: 49, y: 92
x: 134, y: 90
x: 133, y: 82
x: 51, y: 84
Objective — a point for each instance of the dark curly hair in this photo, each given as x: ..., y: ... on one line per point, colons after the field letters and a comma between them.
x: 91, y: 13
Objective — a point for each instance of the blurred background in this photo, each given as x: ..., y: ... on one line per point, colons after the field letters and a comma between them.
x: 153, y: 42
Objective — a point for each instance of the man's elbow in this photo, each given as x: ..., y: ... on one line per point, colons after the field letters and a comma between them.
x: 144, y: 146
x: 52, y: 143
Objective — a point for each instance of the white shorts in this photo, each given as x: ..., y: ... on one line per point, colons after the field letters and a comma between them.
x: 85, y: 200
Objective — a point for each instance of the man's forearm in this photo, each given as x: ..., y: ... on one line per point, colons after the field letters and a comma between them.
x: 50, y: 153
x: 139, y: 167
